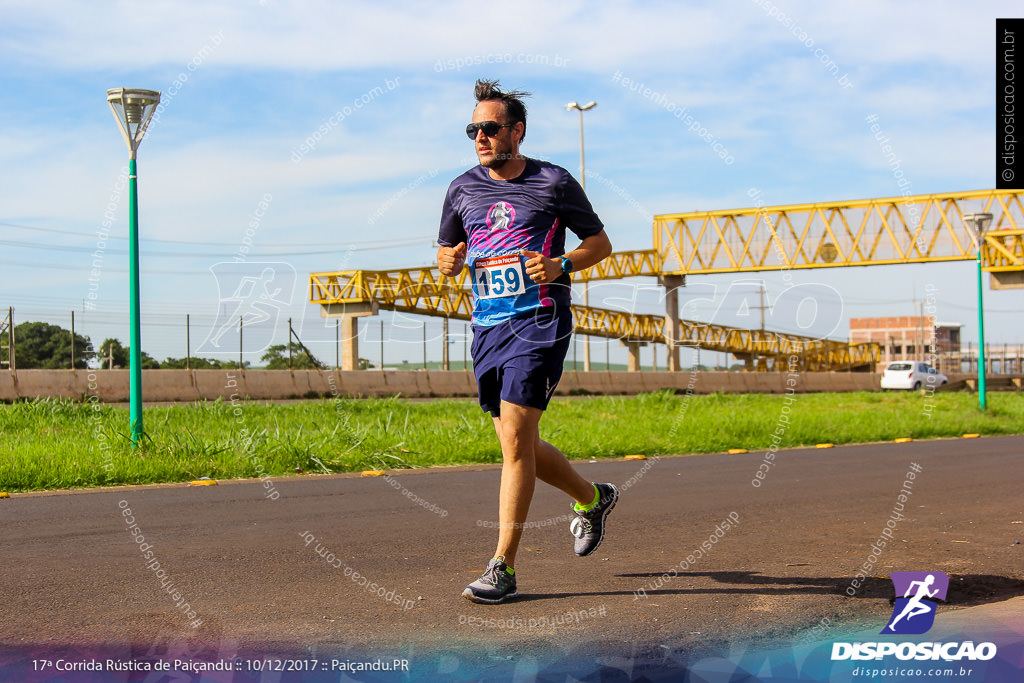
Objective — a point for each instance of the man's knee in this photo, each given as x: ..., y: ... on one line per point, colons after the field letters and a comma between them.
x: 517, y: 429
x: 515, y: 443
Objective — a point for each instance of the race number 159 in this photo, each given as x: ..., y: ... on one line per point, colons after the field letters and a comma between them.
x: 499, y: 276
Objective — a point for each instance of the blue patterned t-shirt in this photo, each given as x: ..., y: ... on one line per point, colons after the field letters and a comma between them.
x: 498, y: 218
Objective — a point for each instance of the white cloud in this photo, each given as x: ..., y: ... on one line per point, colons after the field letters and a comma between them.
x: 327, y: 35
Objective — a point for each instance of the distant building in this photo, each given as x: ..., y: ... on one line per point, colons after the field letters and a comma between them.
x: 907, y: 337
x: 947, y: 337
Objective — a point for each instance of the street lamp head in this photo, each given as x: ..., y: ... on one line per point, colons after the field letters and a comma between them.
x: 575, y: 105
x: 132, y: 108
x: 980, y: 221
x: 977, y: 223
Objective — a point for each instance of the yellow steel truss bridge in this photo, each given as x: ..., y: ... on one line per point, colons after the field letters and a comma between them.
x: 869, y: 232
x: 913, y: 229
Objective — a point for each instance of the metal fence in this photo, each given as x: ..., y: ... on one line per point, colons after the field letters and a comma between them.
x: 412, y: 342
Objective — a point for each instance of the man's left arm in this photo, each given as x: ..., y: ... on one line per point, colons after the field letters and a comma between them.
x: 592, y: 250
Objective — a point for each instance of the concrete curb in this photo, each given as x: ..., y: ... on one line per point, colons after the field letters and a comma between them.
x: 112, y: 386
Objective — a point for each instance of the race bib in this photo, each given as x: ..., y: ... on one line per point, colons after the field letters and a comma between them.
x: 499, y: 276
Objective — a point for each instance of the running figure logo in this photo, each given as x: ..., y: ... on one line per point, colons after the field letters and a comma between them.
x: 253, y: 294
x: 914, y: 613
x: 501, y: 216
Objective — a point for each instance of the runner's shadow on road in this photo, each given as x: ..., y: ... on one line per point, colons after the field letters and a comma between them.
x: 963, y: 589
x: 527, y: 597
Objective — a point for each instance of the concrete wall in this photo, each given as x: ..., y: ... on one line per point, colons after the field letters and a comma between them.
x: 111, y: 386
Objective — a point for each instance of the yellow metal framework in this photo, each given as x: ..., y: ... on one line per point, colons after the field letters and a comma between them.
x: 414, y: 290
x: 425, y: 291
x: 913, y: 229
x: 757, y: 345
x: 1003, y: 251
x: 622, y: 264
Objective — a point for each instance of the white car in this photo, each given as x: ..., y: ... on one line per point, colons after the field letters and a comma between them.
x: 911, y: 374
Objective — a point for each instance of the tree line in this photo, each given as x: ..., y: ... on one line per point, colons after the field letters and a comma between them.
x: 39, y: 345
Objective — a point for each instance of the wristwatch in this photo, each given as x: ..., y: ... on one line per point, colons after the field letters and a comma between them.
x: 566, y: 265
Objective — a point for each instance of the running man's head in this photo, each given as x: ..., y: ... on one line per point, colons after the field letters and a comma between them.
x: 508, y: 111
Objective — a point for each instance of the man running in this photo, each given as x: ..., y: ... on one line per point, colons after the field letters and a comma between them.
x: 506, y: 219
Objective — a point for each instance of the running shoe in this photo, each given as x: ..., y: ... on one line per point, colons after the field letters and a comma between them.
x: 495, y: 586
x: 588, y: 527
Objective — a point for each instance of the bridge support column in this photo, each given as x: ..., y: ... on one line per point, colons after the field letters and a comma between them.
x: 634, y: 354
x: 586, y: 338
x: 444, y: 351
x: 349, y: 314
x: 673, y: 328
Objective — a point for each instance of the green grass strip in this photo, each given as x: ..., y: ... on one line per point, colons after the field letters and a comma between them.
x: 52, y: 444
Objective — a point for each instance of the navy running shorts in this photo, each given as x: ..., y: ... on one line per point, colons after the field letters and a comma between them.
x: 520, y: 360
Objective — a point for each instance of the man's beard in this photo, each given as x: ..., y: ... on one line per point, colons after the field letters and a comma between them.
x: 497, y: 160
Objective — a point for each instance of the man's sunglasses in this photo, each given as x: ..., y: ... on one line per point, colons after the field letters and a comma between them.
x: 490, y: 128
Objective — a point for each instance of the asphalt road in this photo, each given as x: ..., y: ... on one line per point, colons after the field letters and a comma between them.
x: 244, y: 558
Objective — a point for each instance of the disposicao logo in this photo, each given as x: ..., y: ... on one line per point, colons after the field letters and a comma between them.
x: 914, y: 614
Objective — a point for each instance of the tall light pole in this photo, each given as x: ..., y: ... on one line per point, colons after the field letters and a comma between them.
x: 583, y: 182
x: 133, y: 109
x: 977, y: 223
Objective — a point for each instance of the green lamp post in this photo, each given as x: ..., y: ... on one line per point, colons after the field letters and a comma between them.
x: 978, y: 224
x: 133, y: 109
x: 583, y: 182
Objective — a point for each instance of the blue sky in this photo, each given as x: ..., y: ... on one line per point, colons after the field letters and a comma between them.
x: 388, y: 86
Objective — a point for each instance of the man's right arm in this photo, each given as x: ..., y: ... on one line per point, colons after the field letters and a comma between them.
x: 450, y: 260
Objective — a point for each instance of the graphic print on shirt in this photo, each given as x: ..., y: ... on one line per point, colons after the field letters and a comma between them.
x: 499, y: 220
x: 497, y: 267
x: 501, y: 216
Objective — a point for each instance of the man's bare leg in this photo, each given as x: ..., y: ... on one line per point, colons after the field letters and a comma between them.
x: 555, y: 469
x: 525, y: 458
x: 517, y: 432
